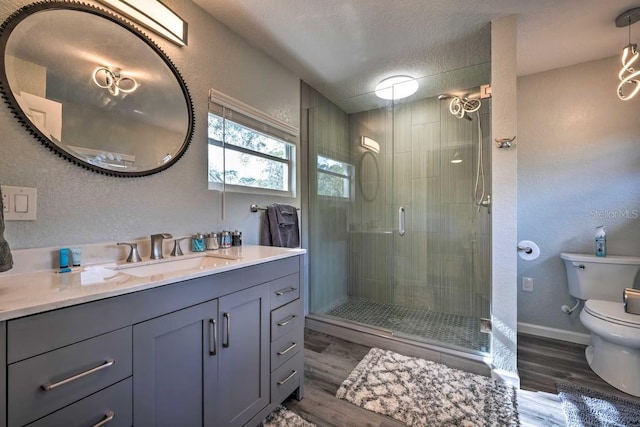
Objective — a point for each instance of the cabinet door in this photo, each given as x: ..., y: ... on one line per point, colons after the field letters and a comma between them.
x: 244, y: 355
x: 175, y: 367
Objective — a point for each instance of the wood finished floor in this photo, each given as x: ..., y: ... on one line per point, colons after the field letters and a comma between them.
x: 541, y: 362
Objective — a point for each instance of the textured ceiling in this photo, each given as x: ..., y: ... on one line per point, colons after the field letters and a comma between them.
x: 344, y: 47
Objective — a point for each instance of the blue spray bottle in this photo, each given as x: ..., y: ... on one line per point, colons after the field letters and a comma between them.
x: 601, y: 241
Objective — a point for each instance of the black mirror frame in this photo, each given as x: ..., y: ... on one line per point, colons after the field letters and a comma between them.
x: 14, y: 19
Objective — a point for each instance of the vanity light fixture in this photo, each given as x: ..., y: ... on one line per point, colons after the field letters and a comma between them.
x: 629, y: 75
x: 370, y: 144
x: 112, y: 80
x: 396, y: 87
x: 155, y: 16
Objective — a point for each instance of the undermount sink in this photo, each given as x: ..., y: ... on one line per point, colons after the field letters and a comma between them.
x: 173, y: 265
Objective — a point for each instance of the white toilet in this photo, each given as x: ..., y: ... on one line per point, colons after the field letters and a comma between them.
x: 614, y: 353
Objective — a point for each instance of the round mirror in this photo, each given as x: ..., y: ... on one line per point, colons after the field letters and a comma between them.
x: 94, y: 89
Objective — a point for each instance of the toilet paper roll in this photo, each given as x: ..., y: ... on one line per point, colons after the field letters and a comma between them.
x: 525, y: 254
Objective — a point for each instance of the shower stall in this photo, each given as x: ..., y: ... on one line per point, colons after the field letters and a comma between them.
x: 399, y: 216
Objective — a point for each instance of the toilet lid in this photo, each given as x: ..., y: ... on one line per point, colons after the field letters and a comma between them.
x: 612, y: 312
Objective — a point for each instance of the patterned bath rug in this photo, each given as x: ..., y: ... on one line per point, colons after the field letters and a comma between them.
x: 584, y: 407
x: 282, y: 417
x: 423, y: 393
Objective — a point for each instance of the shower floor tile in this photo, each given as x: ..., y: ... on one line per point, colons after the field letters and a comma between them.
x: 449, y: 329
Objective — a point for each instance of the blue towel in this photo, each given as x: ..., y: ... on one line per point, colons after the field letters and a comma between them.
x: 280, y: 227
x: 6, y: 260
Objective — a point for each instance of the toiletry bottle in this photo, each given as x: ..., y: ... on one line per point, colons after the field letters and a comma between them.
x: 601, y: 241
x: 76, y: 257
x: 64, y: 260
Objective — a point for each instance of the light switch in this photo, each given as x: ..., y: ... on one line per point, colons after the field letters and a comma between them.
x: 21, y: 203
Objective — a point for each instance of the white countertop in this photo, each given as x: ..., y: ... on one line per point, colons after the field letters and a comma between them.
x: 30, y: 293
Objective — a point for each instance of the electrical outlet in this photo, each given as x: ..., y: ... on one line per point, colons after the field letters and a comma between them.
x: 527, y: 284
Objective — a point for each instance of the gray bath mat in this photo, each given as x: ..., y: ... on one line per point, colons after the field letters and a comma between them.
x: 282, y: 417
x: 423, y: 393
x: 584, y: 407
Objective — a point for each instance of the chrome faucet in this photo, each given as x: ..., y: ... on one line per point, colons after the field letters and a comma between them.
x: 156, y: 244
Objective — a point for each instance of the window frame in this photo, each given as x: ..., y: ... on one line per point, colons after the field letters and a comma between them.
x: 226, y: 108
x: 349, y: 177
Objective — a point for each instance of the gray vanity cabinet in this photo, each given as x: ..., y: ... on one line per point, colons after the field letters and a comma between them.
x: 244, y: 355
x: 175, y: 367
x: 219, y: 350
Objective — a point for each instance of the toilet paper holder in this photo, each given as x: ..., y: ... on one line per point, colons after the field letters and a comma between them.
x: 525, y: 249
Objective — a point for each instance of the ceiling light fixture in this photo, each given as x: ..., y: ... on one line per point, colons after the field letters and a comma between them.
x: 153, y: 15
x: 396, y: 87
x: 370, y: 144
x: 112, y: 80
x: 628, y: 75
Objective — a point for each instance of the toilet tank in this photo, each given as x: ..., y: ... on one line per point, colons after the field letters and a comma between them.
x: 602, y: 278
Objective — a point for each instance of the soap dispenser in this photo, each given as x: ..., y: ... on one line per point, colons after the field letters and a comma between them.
x: 601, y: 241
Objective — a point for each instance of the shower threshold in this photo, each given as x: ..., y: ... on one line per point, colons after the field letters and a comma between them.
x: 460, y: 333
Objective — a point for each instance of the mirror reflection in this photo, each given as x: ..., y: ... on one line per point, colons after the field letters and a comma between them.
x: 97, y: 92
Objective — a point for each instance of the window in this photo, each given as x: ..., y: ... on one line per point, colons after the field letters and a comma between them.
x: 334, y: 178
x: 249, y: 154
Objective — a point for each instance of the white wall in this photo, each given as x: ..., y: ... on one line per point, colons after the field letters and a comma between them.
x: 504, y: 199
x: 76, y: 206
x: 578, y: 159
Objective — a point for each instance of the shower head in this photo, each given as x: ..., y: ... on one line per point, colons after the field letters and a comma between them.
x: 459, y: 106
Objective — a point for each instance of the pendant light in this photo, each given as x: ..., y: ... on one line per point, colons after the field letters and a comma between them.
x: 629, y: 76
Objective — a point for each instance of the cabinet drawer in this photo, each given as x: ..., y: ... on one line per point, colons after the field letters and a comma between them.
x: 287, y: 378
x: 285, y: 347
x: 111, y: 406
x: 69, y: 374
x: 285, y: 319
x: 285, y: 290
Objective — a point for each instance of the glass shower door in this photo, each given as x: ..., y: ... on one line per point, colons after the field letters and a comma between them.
x: 441, y: 283
x: 397, y: 242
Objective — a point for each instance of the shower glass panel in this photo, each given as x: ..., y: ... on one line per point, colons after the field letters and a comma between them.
x: 400, y: 241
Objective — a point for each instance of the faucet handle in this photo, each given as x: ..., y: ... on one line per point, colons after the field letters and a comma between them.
x: 177, y: 250
x: 134, y: 256
x: 161, y: 235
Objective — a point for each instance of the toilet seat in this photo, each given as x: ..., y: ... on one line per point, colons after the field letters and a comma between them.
x: 612, y: 312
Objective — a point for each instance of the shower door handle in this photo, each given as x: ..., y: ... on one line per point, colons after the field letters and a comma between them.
x: 401, y: 221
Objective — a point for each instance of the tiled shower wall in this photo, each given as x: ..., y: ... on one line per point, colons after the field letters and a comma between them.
x: 442, y: 261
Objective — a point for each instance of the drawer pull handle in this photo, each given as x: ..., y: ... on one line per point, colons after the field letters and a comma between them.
x: 286, y: 291
x: 288, y: 349
x: 49, y: 386
x: 289, y: 320
x: 227, y: 341
x: 291, y: 375
x: 107, y: 418
x: 213, y: 338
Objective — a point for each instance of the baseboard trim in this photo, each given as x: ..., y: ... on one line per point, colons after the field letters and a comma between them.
x: 511, y: 378
x: 554, y: 333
